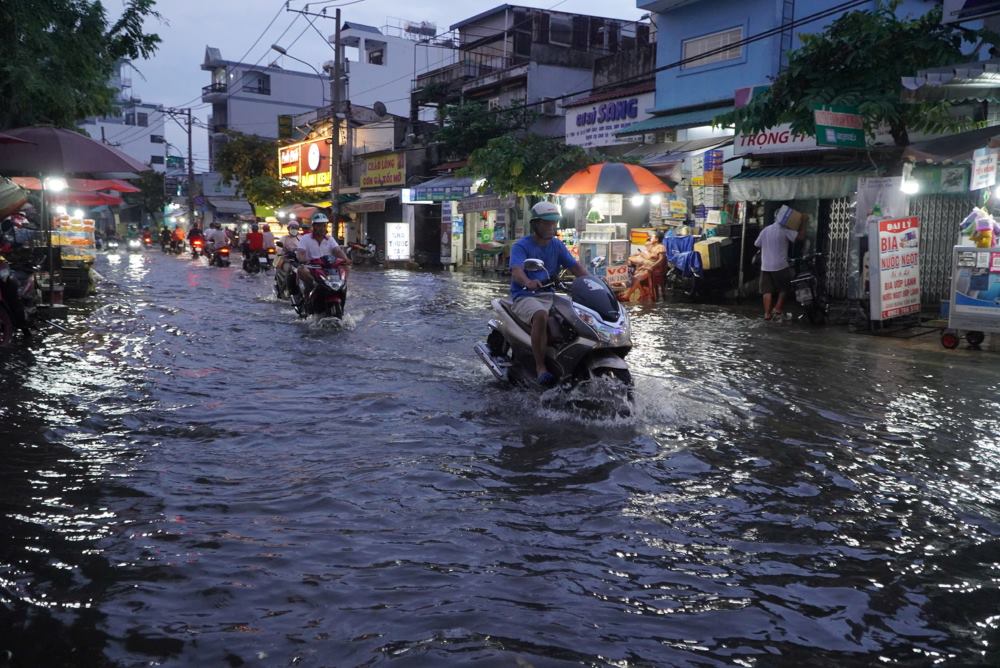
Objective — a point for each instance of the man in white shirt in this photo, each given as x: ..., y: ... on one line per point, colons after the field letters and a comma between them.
x: 315, y: 246
x: 775, y: 274
x: 216, y: 237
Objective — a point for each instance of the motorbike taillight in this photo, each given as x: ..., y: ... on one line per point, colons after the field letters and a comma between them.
x: 224, y: 251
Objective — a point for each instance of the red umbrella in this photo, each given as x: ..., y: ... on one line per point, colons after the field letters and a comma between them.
x: 11, y: 139
x: 613, y: 178
x: 34, y: 183
x: 78, y: 198
x: 55, y: 151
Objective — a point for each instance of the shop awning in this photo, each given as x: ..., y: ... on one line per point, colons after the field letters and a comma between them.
x: 371, y: 201
x: 230, y: 206
x: 952, y: 148
x: 775, y: 184
x: 979, y: 82
x: 443, y: 188
x: 664, y: 159
x: 684, y: 119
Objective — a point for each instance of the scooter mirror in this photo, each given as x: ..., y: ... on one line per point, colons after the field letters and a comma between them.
x: 533, y: 264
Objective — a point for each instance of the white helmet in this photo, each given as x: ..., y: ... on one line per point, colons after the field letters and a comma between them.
x: 320, y: 218
x: 546, y: 211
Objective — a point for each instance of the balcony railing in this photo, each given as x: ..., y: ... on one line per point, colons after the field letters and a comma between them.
x: 214, y: 88
x: 470, y: 66
x: 260, y: 90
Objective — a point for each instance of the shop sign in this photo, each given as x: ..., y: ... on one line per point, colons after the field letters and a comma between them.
x: 306, y: 164
x: 894, y: 267
x: 384, y: 171
x: 367, y: 205
x: 942, y: 179
x: 617, y: 273
x: 842, y: 127
x: 397, y: 241
x: 596, y: 124
x: 779, y: 139
x: 984, y: 169
x: 487, y: 203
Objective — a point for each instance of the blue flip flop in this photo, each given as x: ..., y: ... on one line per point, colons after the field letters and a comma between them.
x: 546, y: 379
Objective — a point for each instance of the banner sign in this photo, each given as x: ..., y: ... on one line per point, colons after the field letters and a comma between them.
x: 839, y: 126
x: 779, y: 139
x: 487, y: 203
x: 307, y: 164
x: 595, y: 124
x: 397, y: 241
x: 894, y: 267
x: 617, y: 273
x: 384, y: 171
x: 984, y: 169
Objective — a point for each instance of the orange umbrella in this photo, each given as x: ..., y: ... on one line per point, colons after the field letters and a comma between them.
x: 613, y: 178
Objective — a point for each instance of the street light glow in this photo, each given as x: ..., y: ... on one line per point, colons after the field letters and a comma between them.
x: 56, y: 184
x: 569, y: 203
x: 78, y: 214
x: 637, y: 200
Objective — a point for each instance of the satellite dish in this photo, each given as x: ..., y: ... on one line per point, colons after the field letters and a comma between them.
x: 379, y: 108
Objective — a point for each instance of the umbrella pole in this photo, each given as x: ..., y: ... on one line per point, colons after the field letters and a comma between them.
x: 743, y: 245
x: 47, y: 224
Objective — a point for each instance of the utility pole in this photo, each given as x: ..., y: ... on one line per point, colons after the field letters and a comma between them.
x: 335, y: 134
x: 190, y: 170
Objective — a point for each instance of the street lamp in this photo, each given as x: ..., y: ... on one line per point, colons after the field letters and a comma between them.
x: 283, y: 51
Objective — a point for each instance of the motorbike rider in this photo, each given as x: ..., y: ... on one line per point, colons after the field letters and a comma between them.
x: 288, y: 245
x: 217, y: 237
x: 254, y: 241
x: 195, y: 233
x: 265, y: 230
x: 316, y: 245
x: 530, y: 305
x: 19, y: 258
x: 164, y: 236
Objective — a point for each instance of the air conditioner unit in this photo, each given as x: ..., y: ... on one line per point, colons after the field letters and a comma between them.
x: 549, y: 107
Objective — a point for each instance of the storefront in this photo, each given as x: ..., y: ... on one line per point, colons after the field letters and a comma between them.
x: 435, y: 214
x: 381, y: 179
x: 482, y: 229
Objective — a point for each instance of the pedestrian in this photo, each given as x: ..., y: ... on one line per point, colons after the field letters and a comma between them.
x: 775, y: 273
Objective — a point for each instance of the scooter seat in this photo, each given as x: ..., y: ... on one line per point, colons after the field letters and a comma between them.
x: 508, y: 305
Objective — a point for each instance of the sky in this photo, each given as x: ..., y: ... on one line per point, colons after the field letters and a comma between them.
x: 173, y: 77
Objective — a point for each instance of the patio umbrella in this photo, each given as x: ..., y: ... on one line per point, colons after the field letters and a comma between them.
x: 613, y: 178
x: 55, y: 151
x: 11, y: 139
x: 83, y: 198
x: 35, y: 183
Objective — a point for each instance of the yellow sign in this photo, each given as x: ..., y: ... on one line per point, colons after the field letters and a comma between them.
x: 314, y: 179
x: 384, y: 171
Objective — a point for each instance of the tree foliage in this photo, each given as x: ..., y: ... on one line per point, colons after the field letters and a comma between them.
x: 251, y: 164
x: 859, y: 61
x: 151, y: 196
x: 527, y: 164
x: 56, y: 57
x: 471, y: 125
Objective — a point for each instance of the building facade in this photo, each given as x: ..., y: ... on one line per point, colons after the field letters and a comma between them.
x: 249, y: 98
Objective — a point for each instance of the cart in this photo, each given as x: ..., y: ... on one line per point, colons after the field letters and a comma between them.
x: 974, y: 304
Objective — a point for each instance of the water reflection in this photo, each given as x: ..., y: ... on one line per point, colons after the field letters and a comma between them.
x: 200, y: 478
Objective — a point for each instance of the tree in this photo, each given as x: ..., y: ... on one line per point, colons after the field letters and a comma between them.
x: 527, y: 164
x: 56, y: 57
x: 859, y: 61
x: 151, y: 196
x: 251, y: 164
x: 470, y: 125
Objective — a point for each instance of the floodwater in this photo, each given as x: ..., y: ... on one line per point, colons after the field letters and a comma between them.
x: 189, y: 476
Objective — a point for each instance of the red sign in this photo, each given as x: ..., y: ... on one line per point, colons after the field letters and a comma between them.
x: 306, y: 163
x: 894, y: 267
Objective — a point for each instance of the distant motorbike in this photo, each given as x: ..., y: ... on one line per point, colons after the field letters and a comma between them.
x: 808, y: 288
x: 361, y: 254
x: 197, y: 249
x: 111, y: 245
x: 147, y: 240
x: 593, y: 337
x: 19, y: 298
x: 255, y: 261
x: 329, y: 293
x: 176, y: 246
x: 220, y: 257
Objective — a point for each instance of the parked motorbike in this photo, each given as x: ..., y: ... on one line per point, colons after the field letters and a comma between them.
x: 197, y: 249
x: 220, y: 257
x: 19, y: 298
x: 329, y: 292
x: 808, y: 288
x: 361, y: 254
x: 592, y: 340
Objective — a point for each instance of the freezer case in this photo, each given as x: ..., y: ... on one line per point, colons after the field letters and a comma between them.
x: 975, y: 289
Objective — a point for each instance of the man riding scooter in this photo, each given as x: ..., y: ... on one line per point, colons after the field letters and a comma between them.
x: 315, y: 246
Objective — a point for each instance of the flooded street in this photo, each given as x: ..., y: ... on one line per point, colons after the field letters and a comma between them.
x: 190, y: 476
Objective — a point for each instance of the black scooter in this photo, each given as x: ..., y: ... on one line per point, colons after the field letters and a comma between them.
x: 808, y: 288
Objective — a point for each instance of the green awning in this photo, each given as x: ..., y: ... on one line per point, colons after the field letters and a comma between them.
x: 684, y: 119
x: 778, y: 184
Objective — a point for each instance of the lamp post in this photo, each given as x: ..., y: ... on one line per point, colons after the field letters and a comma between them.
x: 283, y: 51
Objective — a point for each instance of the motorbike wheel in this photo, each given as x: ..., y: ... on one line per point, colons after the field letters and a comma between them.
x: 6, y: 328
x: 497, y: 344
x: 380, y: 256
x: 279, y: 292
x: 974, y: 338
x: 338, y: 310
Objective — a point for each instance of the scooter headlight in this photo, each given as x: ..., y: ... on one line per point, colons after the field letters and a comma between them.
x: 613, y: 335
x: 333, y: 282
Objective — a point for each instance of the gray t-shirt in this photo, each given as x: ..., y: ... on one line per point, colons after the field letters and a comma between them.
x: 773, y: 244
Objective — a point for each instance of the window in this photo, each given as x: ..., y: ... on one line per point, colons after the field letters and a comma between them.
x: 376, y: 57
x: 155, y: 139
x: 156, y: 160
x: 542, y: 28
x: 691, y: 49
x: 142, y: 120
x: 493, y: 103
x: 130, y: 118
x: 560, y: 30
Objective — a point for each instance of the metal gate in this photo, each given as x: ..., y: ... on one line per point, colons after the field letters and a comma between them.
x: 838, y: 245
x: 940, y: 216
